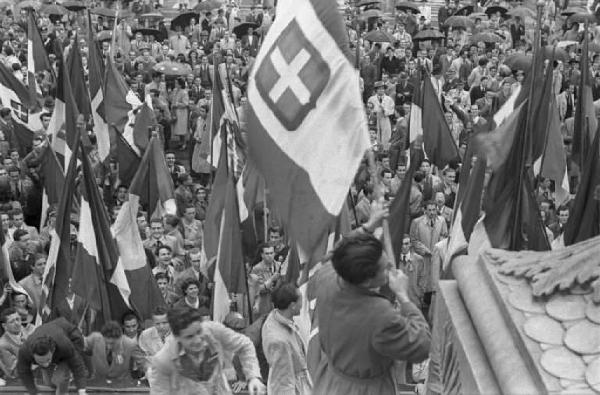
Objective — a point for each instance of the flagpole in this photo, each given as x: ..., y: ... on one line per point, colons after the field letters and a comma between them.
x: 378, y: 191
x: 265, y: 216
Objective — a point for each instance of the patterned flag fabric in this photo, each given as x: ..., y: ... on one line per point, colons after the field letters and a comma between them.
x: 306, y: 122
x: 59, y: 265
x: 25, y: 109
x: 98, y: 276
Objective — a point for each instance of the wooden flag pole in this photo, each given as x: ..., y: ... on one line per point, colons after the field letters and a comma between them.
x: 378, y: 191
x: 265, y: 216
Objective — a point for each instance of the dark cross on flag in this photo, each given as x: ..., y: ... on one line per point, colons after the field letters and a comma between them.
x: 19, y: 111
x: 292, y: 76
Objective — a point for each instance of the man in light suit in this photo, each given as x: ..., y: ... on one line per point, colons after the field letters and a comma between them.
x: 283, y: 345
x: 425, y: 232
x: 412, y: 264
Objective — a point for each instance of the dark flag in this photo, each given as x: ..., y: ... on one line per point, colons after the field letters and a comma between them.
x: 584, y: 221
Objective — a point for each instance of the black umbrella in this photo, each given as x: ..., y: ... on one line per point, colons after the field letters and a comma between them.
x: 464, y: 11
x: 105, y: 12
x: 242, y: 29
x: 148, y: 32
x: 54, y: 9
x: 581, y: 17
x: 184, y: 19
x: 496, y: 8
x: 408, y: 7
x: 573, y: 10
x: 363, y: 3
x: 74, y: 5
x: 428, y: 34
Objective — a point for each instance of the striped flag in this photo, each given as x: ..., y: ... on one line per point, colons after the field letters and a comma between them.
x: 96, y: 91
x: 467, y: 210
x: 156, y: 192
x: 98, y: 276
x: 59, y: 265
x: 145, y: 295
x: 552, y: 163
x: 77, y: 80
x: 144, y: 121
x: 222, y: 111
x: 229, y: 275
x: 306, y: 122
x: 53, y: 180
x: 120, y: 103
x: 37, y: 58
x: 25, y: 109
x: 127, y: 157
x: 438, y: 143
x: 63, y: 122
x: 586, y: 122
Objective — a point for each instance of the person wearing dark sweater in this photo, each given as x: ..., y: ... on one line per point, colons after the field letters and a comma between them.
x: 56, y: 347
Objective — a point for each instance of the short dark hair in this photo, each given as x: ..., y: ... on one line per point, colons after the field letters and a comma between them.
x: 187, y: 282
x: 284, y: 295
x: 6, y: 312
x: 159, y: 310
x: 130, y: 315
x: 171, y: 219
x: 42, y: 345
x: 356, y: 258
x: 112, y: 330
x: 163, y: 247
x: 181, y: 317
x: 19, y: 233
x: 161, y: 276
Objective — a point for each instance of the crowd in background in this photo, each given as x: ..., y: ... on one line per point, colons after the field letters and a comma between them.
x: 471, y: 78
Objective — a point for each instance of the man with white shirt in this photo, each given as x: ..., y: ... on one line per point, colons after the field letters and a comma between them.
x: 152, y: 339
x: 384, y: 107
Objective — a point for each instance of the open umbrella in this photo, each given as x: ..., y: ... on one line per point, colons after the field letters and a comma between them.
x: 74, y: 5
x: 154, y: 16
x: 54, y: 9
x: 566, y: 43
x: 242, y: 29
x: 173, y: 68
x: 408, y: 7
x: 496, y: 8
x: 378, y: 36
x: 104, y: 35
x: 573, y: 10
x: 208, y: 5
x: 479, y: 15
x: 363, y: 3
x: 184, y: 19
x: 464, y: 11
x: 33, y: 4
x: 105, y: 12
x: 428, y: 34
x: 519, y: 61
x: 148, y: 32
x: 372, y: 13
x: 459, y: 21
x: 581, y: 17
x: 521, y: 12
x: 486, y: 37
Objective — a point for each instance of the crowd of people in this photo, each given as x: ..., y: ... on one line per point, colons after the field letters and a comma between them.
x: 180, y: 346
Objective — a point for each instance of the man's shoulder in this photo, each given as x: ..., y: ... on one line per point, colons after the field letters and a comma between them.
x: 163, y: 360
